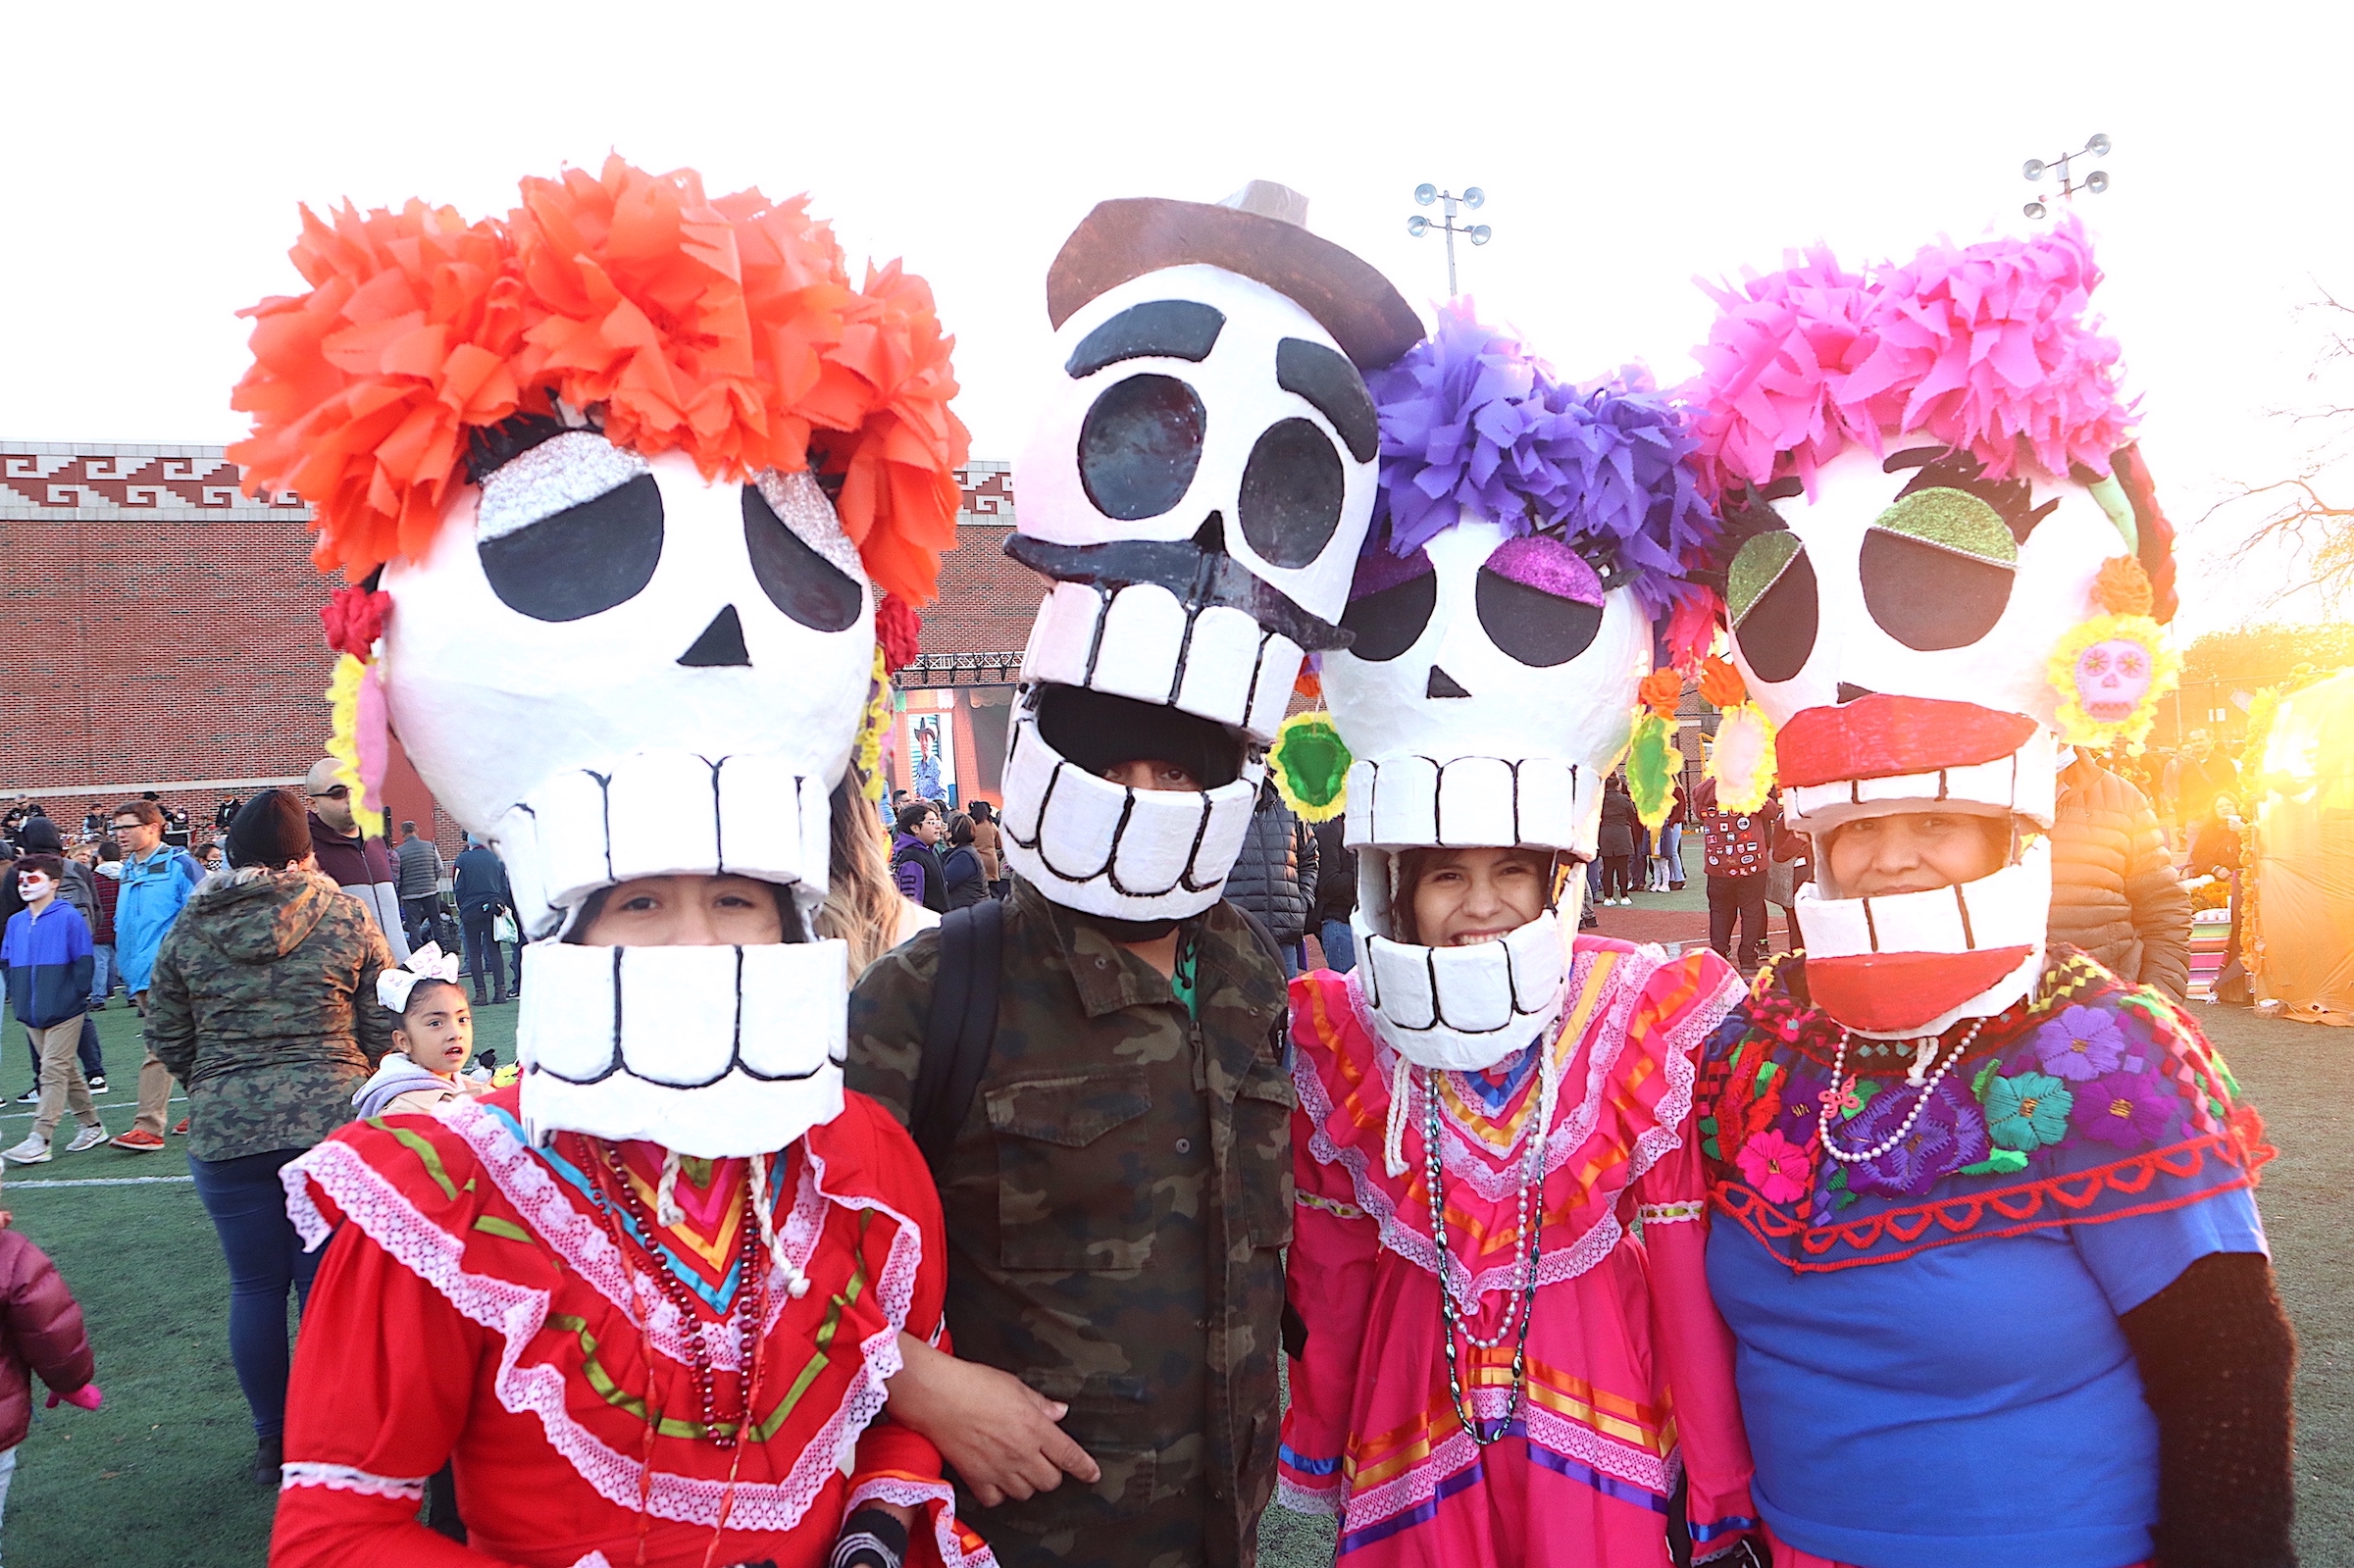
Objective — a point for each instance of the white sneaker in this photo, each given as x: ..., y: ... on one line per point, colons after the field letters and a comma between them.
x: 32, y: 1151
x: 86, y: 1137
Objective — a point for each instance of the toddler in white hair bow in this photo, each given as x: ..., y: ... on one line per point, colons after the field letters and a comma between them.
x: 430, y: 1045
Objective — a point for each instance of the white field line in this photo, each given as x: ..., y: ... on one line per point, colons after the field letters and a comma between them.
x: 14, y: 1187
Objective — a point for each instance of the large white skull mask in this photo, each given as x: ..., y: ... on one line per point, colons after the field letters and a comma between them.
x: 1489, y: 691
x: 1198, y: 484
x: 1897, y: 624
x: 610, y: 668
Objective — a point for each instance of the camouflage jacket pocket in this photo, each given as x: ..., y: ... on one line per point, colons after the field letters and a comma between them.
x: 1074, y: 1170
x: 1262, y: 1163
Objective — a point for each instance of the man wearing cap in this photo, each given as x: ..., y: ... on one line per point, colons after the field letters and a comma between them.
x: 361, y: 866
x: 1111, y: 1133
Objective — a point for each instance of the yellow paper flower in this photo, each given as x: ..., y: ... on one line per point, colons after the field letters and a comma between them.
x: 1742, y: 761
x: 866, y: 756
x: 356, y: 707
x: 2110, y: 672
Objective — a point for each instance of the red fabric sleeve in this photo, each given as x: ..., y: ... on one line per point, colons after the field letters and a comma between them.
x: 384, y: 1374
x: 1329, y: 1283
x: 45, y: 1322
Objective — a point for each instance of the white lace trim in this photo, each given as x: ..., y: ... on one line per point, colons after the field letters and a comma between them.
x: 911, y: 1495
x: 1421, y: 1483
x: 1604, y: 1042
x: 517, y: 1313
x: 1325, y: 1501
x: 343, y: 1477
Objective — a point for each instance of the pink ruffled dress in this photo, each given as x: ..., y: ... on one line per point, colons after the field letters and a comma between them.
x: 1629, y: 1379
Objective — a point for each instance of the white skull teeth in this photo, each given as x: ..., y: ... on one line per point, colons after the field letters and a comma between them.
x: 1098, y: 845
x: 1544, y: 802
x: 1212, y: 660
x: 739, y: 1038
x: 1465, y: 1008
x: 2025, y: 783
x: 2007, y: 908
x: 582, y: 829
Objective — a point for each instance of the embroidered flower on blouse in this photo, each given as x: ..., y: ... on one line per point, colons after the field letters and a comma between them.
x: 1947, y: 1135
x: 2127, y: 1109
x: 2080, y: 1045
x: 1778, y: 1168
x: 2027, y: 1111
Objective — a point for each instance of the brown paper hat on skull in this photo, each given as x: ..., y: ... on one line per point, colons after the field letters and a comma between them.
x: 1258, y: 233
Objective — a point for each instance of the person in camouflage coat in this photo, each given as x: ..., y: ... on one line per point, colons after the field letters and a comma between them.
x: 263, y: 1003
x: 1117, y: 1198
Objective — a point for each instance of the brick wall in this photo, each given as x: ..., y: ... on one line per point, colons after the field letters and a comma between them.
x: 158, y: 629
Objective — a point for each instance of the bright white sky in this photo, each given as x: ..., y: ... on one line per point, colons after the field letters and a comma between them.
x: 156, y: 155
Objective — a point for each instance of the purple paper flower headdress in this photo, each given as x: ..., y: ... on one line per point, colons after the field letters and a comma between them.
x: 1470, y: 419
x: 1987, y: 347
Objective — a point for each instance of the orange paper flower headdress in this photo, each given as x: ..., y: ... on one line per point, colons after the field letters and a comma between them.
x: 725, y: 329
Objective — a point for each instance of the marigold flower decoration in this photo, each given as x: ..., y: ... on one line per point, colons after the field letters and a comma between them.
x: 2110, y: 671
x: 1742, y: 760
x: 726, y: 328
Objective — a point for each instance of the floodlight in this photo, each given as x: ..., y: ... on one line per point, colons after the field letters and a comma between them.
x: 1474, y: 196
x: 2033, y: 209
x: 1425, y: 195
x: 2098, y: 146
x: 2097, y: 182
x: 1417, y: 225
x: 1479, y: 233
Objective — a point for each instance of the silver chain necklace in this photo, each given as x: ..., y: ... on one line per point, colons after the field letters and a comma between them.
x: 1528, y: 1242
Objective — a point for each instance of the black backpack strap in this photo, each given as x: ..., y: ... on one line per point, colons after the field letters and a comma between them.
x: 961, y: 1028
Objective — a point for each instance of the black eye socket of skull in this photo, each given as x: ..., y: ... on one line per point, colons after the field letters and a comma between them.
x: 1292, y: 488
x: 1777, y: 633
x: 1532, y: 625
x: 582, y: 560
x: 1387, y: 623
x: 1926, y: 597
x: 798, y: 580
x: 1333, y: 388
x: 1139, y: 446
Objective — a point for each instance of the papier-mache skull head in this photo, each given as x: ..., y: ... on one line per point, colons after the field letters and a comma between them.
x: 1950, y: 563
x: 1503, y: 614
x: 1198, y: 486
x: 586, y: 454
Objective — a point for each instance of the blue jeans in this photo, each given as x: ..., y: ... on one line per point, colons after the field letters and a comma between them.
x: 266, y: 1260
x: 105, y: 977
x: 1340, y: 945
x: 482, y: 955
x: 1672, y: 849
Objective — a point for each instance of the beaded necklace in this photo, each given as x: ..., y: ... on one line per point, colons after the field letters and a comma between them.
x: 1926, y: 1053
x: 1527, y: 1241
x: 749, y: 1313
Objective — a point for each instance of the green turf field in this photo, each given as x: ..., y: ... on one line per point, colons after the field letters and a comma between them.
x: 158, y: 1477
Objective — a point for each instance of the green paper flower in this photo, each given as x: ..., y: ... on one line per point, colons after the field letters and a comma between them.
x: 1309, y: 764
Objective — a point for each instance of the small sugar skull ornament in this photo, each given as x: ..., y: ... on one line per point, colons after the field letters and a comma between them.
x: 1196, y: 485
x: 1921, y: 519
x: 1502, y: 619
x: 621, y: 626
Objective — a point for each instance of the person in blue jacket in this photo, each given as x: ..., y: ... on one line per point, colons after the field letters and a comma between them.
x: 49, y: 958
x: 157, y: 880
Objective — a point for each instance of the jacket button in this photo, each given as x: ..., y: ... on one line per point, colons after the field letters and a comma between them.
x: 1185, y: 1145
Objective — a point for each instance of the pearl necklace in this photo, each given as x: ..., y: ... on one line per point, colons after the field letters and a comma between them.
x: 1926, y: 1051
x: 1527, y: 1241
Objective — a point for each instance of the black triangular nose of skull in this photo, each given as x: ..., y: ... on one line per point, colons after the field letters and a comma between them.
x: 1443, y: 684
x: 1210, y: 537
x: 721, y: 644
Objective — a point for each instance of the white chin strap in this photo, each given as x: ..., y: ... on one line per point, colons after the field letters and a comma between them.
x: 664, y: 814
x: 1105, y: 849
x: 1465, y: 1009
x: 709, y: 1051
x: 1892, y: 947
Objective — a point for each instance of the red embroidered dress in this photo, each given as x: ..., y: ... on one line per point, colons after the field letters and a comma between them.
x: 1628, y: 1371
x: 483, y: 1306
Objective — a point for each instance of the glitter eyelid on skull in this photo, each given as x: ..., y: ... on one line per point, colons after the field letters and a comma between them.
x: 558, y: 473
x: 801, y: 504
x: 1547, y: 566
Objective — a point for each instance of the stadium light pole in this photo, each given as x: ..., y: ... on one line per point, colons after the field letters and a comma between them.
x: 2097, y: 182
x: 1478, y: 234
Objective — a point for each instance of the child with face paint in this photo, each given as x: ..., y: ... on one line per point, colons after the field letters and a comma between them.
x: 49, y: 960
x: 1986, y: 1229
x: 1487, y: 1363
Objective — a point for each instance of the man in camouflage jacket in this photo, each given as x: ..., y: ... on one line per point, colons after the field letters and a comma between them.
x: 264, y: 1004
x: 1115, y: 1198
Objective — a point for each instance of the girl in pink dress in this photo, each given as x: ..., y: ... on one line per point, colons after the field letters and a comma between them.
x: 1508, y: 1353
